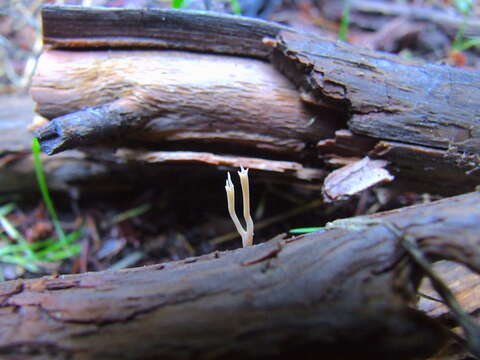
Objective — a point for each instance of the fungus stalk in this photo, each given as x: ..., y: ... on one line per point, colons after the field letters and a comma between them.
x: 246, y: 234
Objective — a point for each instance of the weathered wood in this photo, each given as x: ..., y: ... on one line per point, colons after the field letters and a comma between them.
x: 423, y: 108
x: 166, y: 96
x: 202, y: 31
x: 387, y: 97
x: 71, y: 170
x: 101, y: 171
x: 374, y: 95
x: 350, y: 293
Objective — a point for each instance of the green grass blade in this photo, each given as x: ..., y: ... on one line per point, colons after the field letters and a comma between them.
x: 64, y: 253
x: 42, y: 183
x: 464, y: 6
x: 344, y: 22
x: 236, y: 7
x: 139, y: 210
x: 178, y: 4
x: 467, y: 43
x: 15, y: 234
x: 6, y: 209
x: 304, y: 230
x: 9, y: 250
x: 20, y: 260
x: 43, y: 254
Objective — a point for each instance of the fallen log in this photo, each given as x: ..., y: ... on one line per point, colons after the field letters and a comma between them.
x: 394, y: 106
x: 339, y: 293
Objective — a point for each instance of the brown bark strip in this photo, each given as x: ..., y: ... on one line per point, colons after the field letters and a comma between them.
x: 85, y: 27
x: 291, y: 168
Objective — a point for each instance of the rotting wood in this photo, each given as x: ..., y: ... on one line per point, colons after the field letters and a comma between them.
x: 353, y: 293
x: 387, y: 97
x: 85, y: 173
x: 380, y: 97
x: 169, y: 96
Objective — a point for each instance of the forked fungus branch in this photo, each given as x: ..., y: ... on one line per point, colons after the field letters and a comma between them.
x: 246, y: 234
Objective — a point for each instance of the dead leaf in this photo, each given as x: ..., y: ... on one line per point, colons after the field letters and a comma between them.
x: 355, y: 177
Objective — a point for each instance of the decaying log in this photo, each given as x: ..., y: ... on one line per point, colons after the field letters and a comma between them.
x: 426, y: 113
x: 388, y: 97
x: 346, y: 292
x: 87, y: 27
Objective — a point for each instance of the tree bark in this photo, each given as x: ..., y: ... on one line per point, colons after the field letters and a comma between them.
x: 338, y: 293
x: 422, y: 118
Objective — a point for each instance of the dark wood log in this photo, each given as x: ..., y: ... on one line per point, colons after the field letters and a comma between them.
x: 341, y: 292
x: 192, y: 30
x: 373, y: 95
x: 388, y: 97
